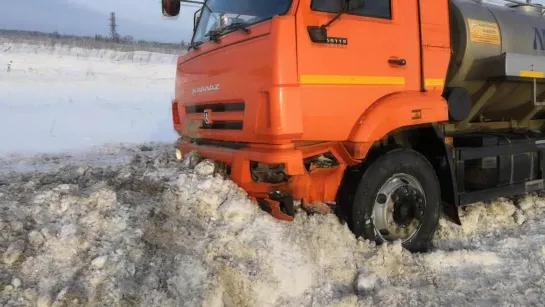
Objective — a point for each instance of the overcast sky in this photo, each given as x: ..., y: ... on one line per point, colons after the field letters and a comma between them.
x: 141, y: 19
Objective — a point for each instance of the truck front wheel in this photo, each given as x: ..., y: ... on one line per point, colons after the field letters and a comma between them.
x: 398, y: 198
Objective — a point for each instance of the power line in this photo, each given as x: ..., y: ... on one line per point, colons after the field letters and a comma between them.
x: 113, y: 27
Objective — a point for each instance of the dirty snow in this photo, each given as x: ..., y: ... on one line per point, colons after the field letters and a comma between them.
x: 63, y: 98
x: 88, y: 222
x: 146, y: 230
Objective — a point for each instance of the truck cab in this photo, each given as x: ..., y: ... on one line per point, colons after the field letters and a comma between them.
x: 345, y: 103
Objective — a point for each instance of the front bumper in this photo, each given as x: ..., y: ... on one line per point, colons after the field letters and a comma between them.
x: 310, y: 186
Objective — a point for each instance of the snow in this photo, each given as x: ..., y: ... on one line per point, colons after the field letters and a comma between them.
x: 86, y: 221
x: 65, y: 99
x: 59, y: 50
x: 148, y: 230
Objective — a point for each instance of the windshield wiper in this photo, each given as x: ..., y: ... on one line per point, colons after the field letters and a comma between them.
x: 216, y: 34
x: 238, y: 26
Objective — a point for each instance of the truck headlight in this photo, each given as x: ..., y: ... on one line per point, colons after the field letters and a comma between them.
x: 179, y: 155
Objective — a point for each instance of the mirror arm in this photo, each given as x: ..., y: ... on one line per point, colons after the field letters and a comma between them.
x: 332, y: 20
x: 318, y: 34
x: 195, y: 18
x: 324, y: 26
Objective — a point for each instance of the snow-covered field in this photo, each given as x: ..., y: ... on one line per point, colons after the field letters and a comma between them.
x: 130, y: 226
x: 127, y: 225
x: 61, y: 98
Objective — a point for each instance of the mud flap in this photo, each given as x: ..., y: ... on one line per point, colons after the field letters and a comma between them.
x: 450, y: 213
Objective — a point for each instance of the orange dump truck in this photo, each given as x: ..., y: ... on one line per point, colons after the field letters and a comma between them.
x: 394, y: 112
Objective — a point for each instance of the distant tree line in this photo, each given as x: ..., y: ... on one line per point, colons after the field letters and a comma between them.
x: 120, y: 43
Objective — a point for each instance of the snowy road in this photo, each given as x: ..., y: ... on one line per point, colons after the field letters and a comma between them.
x: 126, y: 226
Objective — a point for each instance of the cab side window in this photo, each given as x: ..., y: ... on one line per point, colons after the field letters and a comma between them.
x: 372, y: 8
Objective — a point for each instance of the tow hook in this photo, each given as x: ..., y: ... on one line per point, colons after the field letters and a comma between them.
x: 279, y: 205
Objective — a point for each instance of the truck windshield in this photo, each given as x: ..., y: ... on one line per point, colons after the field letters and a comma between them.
x: 218, y: 14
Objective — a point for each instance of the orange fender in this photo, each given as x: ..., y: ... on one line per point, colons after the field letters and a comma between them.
x: 396, y: 111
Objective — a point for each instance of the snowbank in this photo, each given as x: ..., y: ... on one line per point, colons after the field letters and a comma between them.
x: 149, y: 231
x: 64, y: 100
x: 9, y: 48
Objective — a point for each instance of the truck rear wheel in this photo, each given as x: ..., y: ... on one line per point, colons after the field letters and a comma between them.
x: 398, y: 198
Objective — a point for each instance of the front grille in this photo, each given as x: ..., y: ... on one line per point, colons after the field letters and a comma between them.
x: 216, y: 107
x: 223, y: 116
x: 224, y: 144
x: 224, y: 125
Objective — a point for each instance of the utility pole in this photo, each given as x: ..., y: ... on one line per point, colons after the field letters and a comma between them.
x: 113, y: 28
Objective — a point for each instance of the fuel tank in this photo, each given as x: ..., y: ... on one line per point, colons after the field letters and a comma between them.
x: 498, y: 52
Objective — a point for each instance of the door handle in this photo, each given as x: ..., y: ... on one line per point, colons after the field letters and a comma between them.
x: 400, y: 62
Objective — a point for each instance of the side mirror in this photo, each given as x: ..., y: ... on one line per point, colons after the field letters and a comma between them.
x: 318, y: 34
x: 171, y: 8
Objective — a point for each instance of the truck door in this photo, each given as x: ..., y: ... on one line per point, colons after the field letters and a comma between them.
x: 371, y: 52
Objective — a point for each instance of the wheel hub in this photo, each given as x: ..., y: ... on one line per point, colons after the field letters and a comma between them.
x: 407, y: 200
x: 399, y: 208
